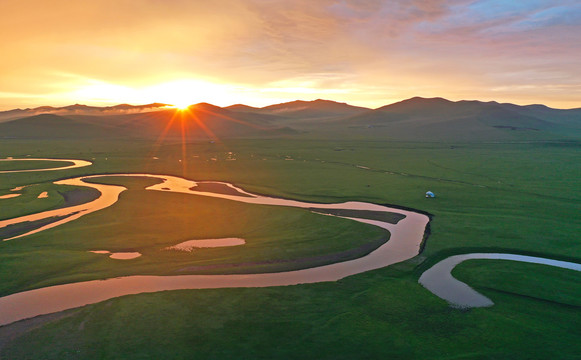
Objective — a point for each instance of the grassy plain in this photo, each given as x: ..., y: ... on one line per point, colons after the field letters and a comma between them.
x: 277, y: 239
x: 519, y: 197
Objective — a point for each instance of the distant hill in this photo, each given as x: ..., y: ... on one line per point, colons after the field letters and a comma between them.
x: 314, y: 109
x: 441, y: 119
x: 242, y: 108
x: 304, y: 110
x: 570, y: 118
x: 50, y: 126
x: 415, y: 119
x: 78, y: 109
x: 201, y: 121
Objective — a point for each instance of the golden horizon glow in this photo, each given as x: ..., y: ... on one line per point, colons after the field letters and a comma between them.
x: 369, y: 53
x: 181, y: 106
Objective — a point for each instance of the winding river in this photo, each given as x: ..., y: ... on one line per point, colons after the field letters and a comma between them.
x: 439, y: 280
x: 75, y: 164
x: 404, y: 243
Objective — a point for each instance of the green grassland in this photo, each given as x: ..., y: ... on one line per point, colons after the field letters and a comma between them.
x: 277, y: 239
x: 540, y: 282
x: 519, y: 197
x: 28, y: 202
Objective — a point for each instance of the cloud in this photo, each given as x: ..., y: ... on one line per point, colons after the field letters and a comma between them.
x: 432, y: 47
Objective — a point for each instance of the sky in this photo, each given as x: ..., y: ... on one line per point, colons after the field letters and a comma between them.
x: 261, y: 52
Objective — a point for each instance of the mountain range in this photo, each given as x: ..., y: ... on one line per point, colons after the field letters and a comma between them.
x: 417, y: 118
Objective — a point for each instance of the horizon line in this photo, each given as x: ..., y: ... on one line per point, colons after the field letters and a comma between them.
x: 281, y: 103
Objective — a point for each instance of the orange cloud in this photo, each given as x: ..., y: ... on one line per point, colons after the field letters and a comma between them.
x: 367, y: 52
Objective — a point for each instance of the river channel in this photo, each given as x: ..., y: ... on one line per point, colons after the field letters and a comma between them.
x: 404, y: 243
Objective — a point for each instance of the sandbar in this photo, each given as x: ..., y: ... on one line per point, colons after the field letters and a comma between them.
x: 190, y: 245
x: 9, y: 196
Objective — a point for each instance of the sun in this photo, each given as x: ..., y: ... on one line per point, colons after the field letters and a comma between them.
x: 179, y: 93
x: 180, y: 101
x: 181, y: 105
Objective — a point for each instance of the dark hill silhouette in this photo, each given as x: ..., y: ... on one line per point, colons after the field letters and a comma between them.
x: 313, y: 109
x: 570, y: 118
x: 302, y: 111
x: 50, y: 126
x: 79, y: 109
x: 431, y: 119
x: 242, y: 108
x: 441, y: 119
x: 418, y: 105
x: 200, y: 121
